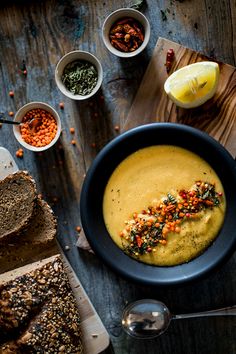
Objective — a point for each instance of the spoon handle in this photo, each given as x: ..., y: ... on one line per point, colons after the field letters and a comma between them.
x: 8, y: 121
x: 225, y: 311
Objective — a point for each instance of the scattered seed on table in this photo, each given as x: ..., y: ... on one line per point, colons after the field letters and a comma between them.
x: 93, y: 145
x: 61, y: 105
x: 20, y: 153
x: 67, y: 248
x: 11, y: 114
x: 117, y: 128
x: 73, y: 142
x: 55, y: 199
x: 25, y: 72
x: 11, y: 93
x: 72, y: 130
x: 78, y: 229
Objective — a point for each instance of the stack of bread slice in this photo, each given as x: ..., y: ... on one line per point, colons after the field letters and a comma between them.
x: 27, y: 224
x: 38, y: 311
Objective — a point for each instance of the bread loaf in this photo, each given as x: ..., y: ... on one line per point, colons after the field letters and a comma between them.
x: 17, y: 201
x: 36, y: 240
x: 38, y: 312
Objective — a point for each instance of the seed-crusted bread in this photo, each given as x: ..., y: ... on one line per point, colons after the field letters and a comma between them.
x: 38, y: 311
x: 38, y: 238
x: 17, y: 201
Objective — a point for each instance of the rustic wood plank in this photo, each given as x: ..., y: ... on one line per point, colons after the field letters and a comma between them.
x: 40, y: 32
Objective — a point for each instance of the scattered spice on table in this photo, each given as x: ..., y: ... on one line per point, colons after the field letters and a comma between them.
x: 43, y: 133
x: 11, y: 114
x: 11, y: 93
x: 80, y: 77
x: 20, y: 153
x: 73, y: 142
x: 127, y: 34
x: 72, y: 130
x: 149, y: 228
x: 117, y: 128
x: 61, y: 105
x: 93, y: 145
x: 78, y: 229
x: 169, y: 59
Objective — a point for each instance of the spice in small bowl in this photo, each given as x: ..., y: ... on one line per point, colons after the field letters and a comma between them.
x: 40, y: 126
x: 126, y: 32
x: 79, y: 75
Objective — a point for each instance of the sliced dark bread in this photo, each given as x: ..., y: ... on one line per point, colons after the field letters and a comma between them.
x: 38, y: 310
x: 17, y: 201
x: 34, y: 242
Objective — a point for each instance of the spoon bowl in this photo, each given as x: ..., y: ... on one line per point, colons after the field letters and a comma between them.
x: 148, y: 318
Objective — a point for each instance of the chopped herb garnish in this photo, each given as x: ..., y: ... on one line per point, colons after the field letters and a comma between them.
x: 145, y: 231
x: 80, y: 77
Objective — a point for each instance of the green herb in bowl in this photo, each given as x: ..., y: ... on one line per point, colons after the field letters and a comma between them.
x: 80, y: 77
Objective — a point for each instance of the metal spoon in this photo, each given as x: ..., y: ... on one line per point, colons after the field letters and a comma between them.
x: 146, y: 319
x: 33, y: 123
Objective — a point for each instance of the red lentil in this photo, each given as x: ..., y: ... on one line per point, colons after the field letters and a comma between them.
x: 72, y: 130
x: 73, y: 142
x: 43, y: 134
x: 145, y: 230
x: 117, y: 128
x: 19, y: 153
x: 61, y: 105
x: 78, y: 228
x: 11, y: 114
x: 11, y: 93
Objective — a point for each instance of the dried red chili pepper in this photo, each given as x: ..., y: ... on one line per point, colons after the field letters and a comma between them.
x: 169, y: 59
x: 127, y: 34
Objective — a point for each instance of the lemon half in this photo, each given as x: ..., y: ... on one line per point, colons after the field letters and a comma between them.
x: 193, y: 84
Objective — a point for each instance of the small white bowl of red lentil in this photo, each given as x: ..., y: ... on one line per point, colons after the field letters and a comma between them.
x: 39, y: 128
x: 126, y: 32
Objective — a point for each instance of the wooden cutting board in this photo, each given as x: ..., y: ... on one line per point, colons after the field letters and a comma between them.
x: 95, y: 335
x: 216, y: 117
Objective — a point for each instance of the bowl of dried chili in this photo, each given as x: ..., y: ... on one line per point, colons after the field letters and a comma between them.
x: 79, y: 75
x: 39, y: 128
x: 126, y: 32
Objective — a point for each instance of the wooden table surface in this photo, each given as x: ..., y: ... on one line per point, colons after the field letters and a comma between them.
x: 39, y: 33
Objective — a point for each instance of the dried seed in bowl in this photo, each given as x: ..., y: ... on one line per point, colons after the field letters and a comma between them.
x: 80, y: 77
x: 43, y: 132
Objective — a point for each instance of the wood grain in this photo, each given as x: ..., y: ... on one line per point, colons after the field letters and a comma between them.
x: 40, y: 32
x: 217, y: 116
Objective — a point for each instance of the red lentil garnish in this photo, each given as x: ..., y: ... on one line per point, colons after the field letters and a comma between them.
x: 146, y: 230
x: 78, y: 229
x: 11, y: 114
x: 127, y: 34
x: 61, y: 105
x: 72, y: 130
x: 73, y: 142
x: 20, y: 153
x: 44, y: 133
x: 11, y: 93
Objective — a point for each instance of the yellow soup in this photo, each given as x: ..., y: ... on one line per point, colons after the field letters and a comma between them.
x: 144, y: 179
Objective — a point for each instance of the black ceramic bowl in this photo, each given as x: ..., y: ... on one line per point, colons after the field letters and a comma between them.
x: 100, y: 171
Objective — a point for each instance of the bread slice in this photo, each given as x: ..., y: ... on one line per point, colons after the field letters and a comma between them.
x: 38, y: 311
x: 37, y: 240
x: 17, y: 201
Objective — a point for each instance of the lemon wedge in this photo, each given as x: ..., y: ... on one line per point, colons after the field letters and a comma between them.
x: 193, y: 85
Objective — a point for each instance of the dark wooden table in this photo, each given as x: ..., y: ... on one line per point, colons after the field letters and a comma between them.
x: 39, y: 33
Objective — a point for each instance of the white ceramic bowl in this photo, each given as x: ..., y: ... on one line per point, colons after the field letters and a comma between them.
x: 21, y: 113
x: 69, y: 58
x: 119, y: 14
